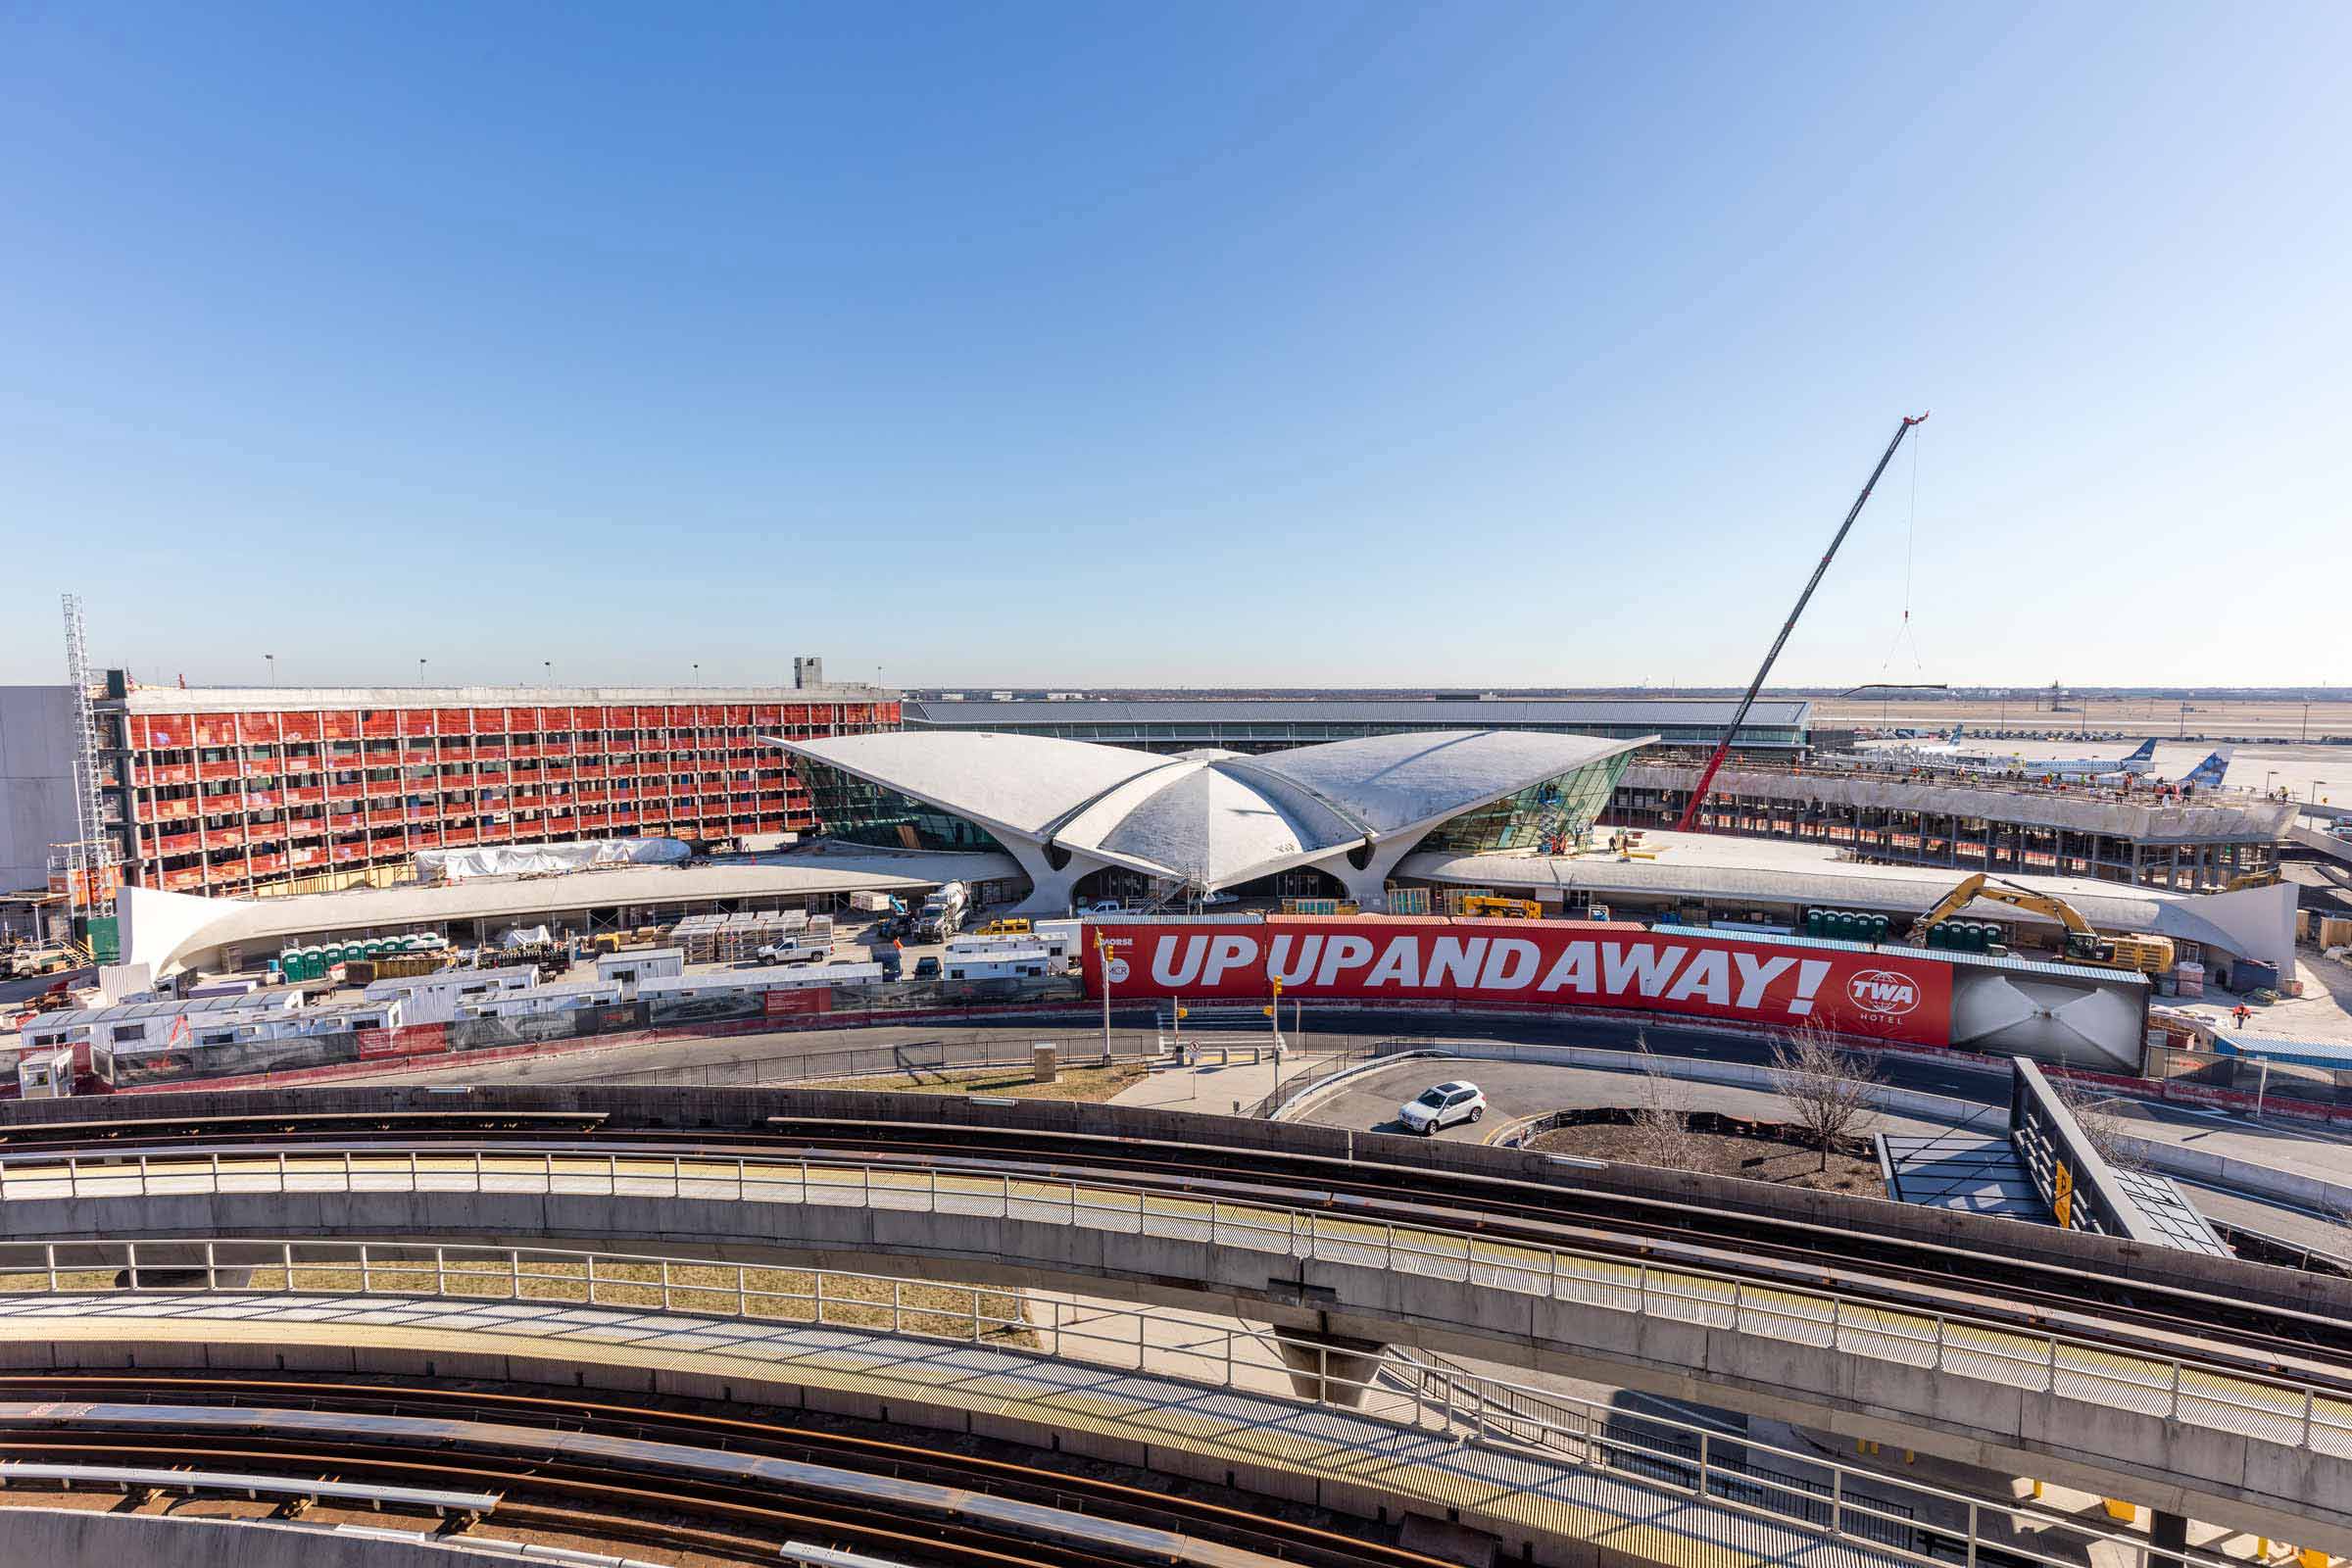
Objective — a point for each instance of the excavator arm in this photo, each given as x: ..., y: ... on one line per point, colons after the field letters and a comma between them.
x: 1982, y: 886
x: 2149, y: 954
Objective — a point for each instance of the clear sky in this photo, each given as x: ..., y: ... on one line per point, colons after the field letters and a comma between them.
x: 1191, y: 344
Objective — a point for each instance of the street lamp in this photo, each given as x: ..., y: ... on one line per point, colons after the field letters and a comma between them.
x: 1102, y: 963
x: 272, y: 658
x: 421, y: 672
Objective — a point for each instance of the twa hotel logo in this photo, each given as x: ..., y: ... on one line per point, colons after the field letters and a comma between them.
x: 1883, y: 991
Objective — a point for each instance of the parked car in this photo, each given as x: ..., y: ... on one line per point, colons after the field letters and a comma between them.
x: 1441, y: 1107
x: 1101, y: 907
x: 888, y: 958
x: 927, y: 968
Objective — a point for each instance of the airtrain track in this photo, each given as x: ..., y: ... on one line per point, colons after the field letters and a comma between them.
x: 675, y: 1475
x: 1568, y: 1207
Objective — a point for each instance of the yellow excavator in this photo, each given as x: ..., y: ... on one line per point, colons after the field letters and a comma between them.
x: 2146, y: 953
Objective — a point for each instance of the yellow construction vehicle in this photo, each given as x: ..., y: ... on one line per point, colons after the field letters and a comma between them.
x: 2146, y: 953
x: 1010, y: 927
x: 2254, y: 879
x: 1489, y: 908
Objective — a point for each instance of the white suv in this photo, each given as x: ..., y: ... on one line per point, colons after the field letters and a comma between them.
x: 1441, y: 1107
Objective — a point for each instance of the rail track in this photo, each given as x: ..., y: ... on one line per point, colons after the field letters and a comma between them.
x: 1571, y: 1206
x: 728, y: 1486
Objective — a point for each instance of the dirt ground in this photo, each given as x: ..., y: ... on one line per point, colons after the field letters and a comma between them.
x: 1013, y: 1082
x: 1755, y: 1160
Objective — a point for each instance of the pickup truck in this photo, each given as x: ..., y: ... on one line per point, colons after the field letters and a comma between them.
x: 794, y: 950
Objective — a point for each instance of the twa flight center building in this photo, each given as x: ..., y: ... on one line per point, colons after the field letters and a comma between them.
x: 1087, y: 821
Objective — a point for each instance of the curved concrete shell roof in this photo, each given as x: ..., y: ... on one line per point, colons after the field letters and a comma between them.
x: 1208, y: 818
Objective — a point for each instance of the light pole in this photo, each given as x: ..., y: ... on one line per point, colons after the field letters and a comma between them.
x: 421, y: 672
x: 548, y: 668
x: 272, y: 659
x: 1102, y: 956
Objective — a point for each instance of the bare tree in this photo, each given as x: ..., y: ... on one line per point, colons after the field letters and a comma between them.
x: 2101, y: 1125
x: 1661, y: 1124
x: 1828, y: 1090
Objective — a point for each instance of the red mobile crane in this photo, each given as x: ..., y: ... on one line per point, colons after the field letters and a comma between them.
x: 1706, y: 779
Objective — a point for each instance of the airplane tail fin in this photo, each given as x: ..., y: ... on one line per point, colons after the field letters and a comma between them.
x: 1954, y: 735
x: 2209, y: 774
x: 2145, y: 754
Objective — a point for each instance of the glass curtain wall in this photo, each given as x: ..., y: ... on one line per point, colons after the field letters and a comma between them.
x: 857, y: 811
x: 1537, y: 817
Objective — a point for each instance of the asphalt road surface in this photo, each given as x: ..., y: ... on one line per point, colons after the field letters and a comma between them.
x: 1516, y: 1089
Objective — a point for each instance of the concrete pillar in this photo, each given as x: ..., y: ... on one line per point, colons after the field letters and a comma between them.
x: 2167, y: 1539
x: 1328, y: 1368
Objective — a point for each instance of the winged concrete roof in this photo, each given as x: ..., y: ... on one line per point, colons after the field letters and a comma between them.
x: 1207, y: 816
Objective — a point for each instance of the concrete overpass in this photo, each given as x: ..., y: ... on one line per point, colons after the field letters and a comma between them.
x: 2156, y: 1410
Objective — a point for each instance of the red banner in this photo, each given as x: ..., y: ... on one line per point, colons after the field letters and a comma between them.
x: 804, y: 999
x: 416, y: 1040
x: 1886, y: 995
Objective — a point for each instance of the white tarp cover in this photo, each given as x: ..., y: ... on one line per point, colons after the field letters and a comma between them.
x: 521, y: 936
x: 517, y: 860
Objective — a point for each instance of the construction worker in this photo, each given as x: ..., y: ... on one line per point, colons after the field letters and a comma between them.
x: 2241, y: 1013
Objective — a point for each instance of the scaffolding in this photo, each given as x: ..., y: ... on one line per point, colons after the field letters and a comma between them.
x: 91, y: 854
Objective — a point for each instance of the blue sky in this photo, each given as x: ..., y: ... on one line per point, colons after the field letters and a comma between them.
x: 1199, y: 344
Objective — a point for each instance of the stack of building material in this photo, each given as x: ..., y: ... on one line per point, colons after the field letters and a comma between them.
x: 2190, y: 978
x: 697, y: 934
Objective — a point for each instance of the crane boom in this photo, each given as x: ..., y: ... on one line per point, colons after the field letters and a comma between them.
x: 1722, y: 748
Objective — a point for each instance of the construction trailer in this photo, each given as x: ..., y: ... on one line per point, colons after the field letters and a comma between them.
x: 151, y: 1023
x: 629, y: 971
x: 539, y: 1000
x: 435, y: 997
x: 1003, y: 963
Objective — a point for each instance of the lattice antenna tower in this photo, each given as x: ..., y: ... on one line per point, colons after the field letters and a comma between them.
x: 92, y: 849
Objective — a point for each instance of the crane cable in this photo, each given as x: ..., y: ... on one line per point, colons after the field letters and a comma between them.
x: 1903, y: 630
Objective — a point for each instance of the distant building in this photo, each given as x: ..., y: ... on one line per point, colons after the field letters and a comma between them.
x: 1774, y: 728
x: 229, y: 791
x: 36, y: 781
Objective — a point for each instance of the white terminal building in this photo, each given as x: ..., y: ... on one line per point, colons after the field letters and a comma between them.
x: 1086, y: 821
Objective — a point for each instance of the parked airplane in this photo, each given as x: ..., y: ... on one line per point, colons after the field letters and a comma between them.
x: 2208, y: 774
x: 2130, y: 767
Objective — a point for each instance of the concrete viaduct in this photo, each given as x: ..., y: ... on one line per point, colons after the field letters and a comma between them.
x: 2154, y: 1414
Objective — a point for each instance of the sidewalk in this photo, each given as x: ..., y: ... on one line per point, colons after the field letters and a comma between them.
x: 1226, y: 1081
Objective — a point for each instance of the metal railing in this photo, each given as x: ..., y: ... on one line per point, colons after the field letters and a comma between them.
x: 1329, y: 1065
x: 2181, y: 1390
x: 1889, y: 1515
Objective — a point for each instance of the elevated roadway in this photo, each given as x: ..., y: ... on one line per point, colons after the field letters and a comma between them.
x: 2199, y: 1385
